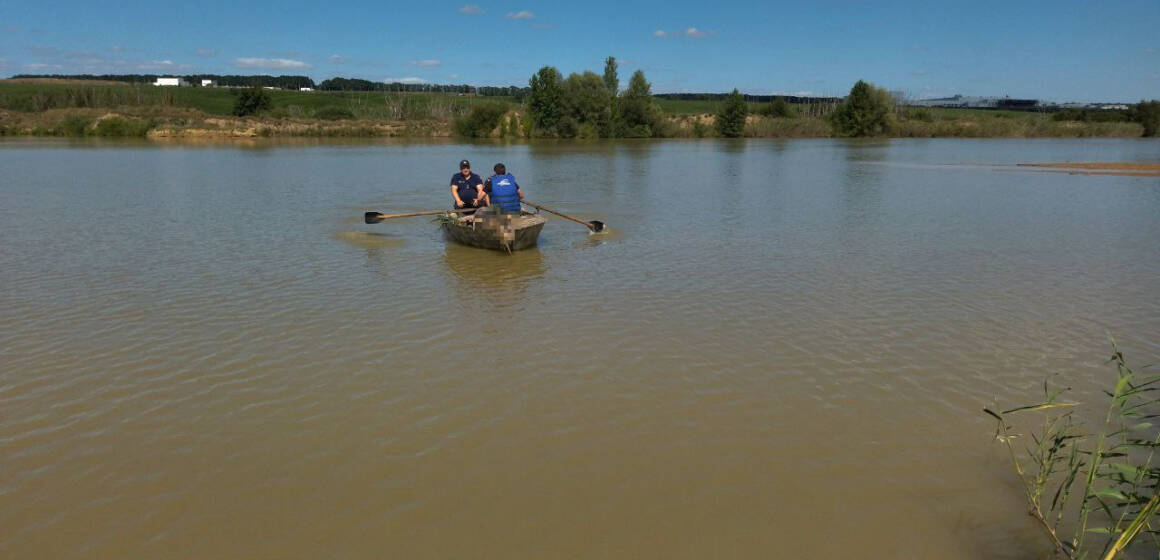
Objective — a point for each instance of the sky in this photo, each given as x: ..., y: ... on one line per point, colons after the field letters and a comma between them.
x: 1061, y: 50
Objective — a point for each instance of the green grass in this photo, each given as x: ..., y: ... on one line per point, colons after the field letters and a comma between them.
x: 947, y: 113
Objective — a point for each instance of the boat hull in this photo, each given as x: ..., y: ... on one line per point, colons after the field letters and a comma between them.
x: 498, y: 232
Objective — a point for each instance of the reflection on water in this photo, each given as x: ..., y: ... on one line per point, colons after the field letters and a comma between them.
x: 368, y: 239
x: 495, y: 280
x: 222, y: 360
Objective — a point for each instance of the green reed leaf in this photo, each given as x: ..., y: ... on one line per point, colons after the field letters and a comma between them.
x: 1126, y: 469
x: 1109, y: 493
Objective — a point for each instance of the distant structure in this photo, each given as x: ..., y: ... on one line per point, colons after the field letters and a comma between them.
x: 172, y: 82
x: 305, y: 89
x: 969, y: 102
x: 208, y: 83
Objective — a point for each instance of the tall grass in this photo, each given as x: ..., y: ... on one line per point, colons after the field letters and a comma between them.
x: 1093, y: 491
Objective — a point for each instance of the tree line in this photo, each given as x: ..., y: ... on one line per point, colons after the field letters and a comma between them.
x: 227, y: 80
x: 359, y: 84
x: 795, y: 99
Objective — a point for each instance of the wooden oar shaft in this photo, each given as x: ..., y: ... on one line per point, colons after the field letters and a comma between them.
x: 424, y: 213
x: 560, y: 214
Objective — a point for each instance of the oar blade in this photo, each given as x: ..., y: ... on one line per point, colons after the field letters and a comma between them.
x: 597, y: 226
x: 372, y: 217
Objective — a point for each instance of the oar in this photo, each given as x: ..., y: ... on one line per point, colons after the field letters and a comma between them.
x: 594, y: 225
x: 375, y: 217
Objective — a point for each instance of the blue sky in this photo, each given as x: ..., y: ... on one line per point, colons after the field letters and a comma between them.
x: 1060, y: 51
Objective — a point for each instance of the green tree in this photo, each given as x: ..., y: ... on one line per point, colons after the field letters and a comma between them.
x: 637, y: 111
x: 547, y: 103
x: 866, y: 111
x: 1147, y: 113
x: 779, y: 109
x: 252, y: 101
x: 731, y: 117
x: 591, y: 103
x: 611, y: 80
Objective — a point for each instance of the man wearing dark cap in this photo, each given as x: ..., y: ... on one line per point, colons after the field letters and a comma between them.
x: 466, y: 187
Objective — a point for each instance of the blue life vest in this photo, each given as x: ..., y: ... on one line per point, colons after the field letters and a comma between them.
x: 505, y: 193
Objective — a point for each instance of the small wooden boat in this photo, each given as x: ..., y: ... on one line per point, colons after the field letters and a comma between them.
x: 499, y: 232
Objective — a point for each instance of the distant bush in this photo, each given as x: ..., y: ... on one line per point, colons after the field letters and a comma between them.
x: 334, y: 114
x: 1147, y: 113
x: 121, y: 127
x: 75, y: 125
x: 779, y: 109
x: 252, y: 101
x: 482, y: 119
x: 731, y: 117
x: 866, y: 112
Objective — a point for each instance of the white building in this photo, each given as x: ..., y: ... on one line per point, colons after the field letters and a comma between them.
x: 306, y: 89
x: 208, y: 83
x: 171, y: 82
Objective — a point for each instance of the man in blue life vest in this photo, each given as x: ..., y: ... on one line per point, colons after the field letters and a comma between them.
x: 466, y: 187
x: 504, y: 194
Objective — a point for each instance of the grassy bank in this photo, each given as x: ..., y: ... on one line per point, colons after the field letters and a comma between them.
x: 49, y: 109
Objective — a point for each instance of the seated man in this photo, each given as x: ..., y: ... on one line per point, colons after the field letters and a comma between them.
x: 502, y: 191
x: 466, y: 187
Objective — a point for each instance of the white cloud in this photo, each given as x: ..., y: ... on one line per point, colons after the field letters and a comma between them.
x: 336, y: 59
x: 407, y: 80
x: 207, y: 52
x: 270, y: 63
x: 688, y: 33
x: 471, y: 10
x: 452, y: 76
x: 87, y: 62
x: 427, y: 63
x: 161, y: 65
x: 116, y: 49
x: 522, y: 14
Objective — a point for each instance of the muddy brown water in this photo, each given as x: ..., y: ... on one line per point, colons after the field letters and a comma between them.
x: 779, y: 348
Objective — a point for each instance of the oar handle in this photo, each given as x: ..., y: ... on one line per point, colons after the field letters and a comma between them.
x: 590, y: 225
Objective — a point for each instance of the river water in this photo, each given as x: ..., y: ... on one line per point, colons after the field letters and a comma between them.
x: 779, y: 348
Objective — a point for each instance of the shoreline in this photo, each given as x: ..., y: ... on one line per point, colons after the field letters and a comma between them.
x: 181, y: 122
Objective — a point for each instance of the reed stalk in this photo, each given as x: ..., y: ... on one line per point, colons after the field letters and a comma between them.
x: 1112, y: 467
